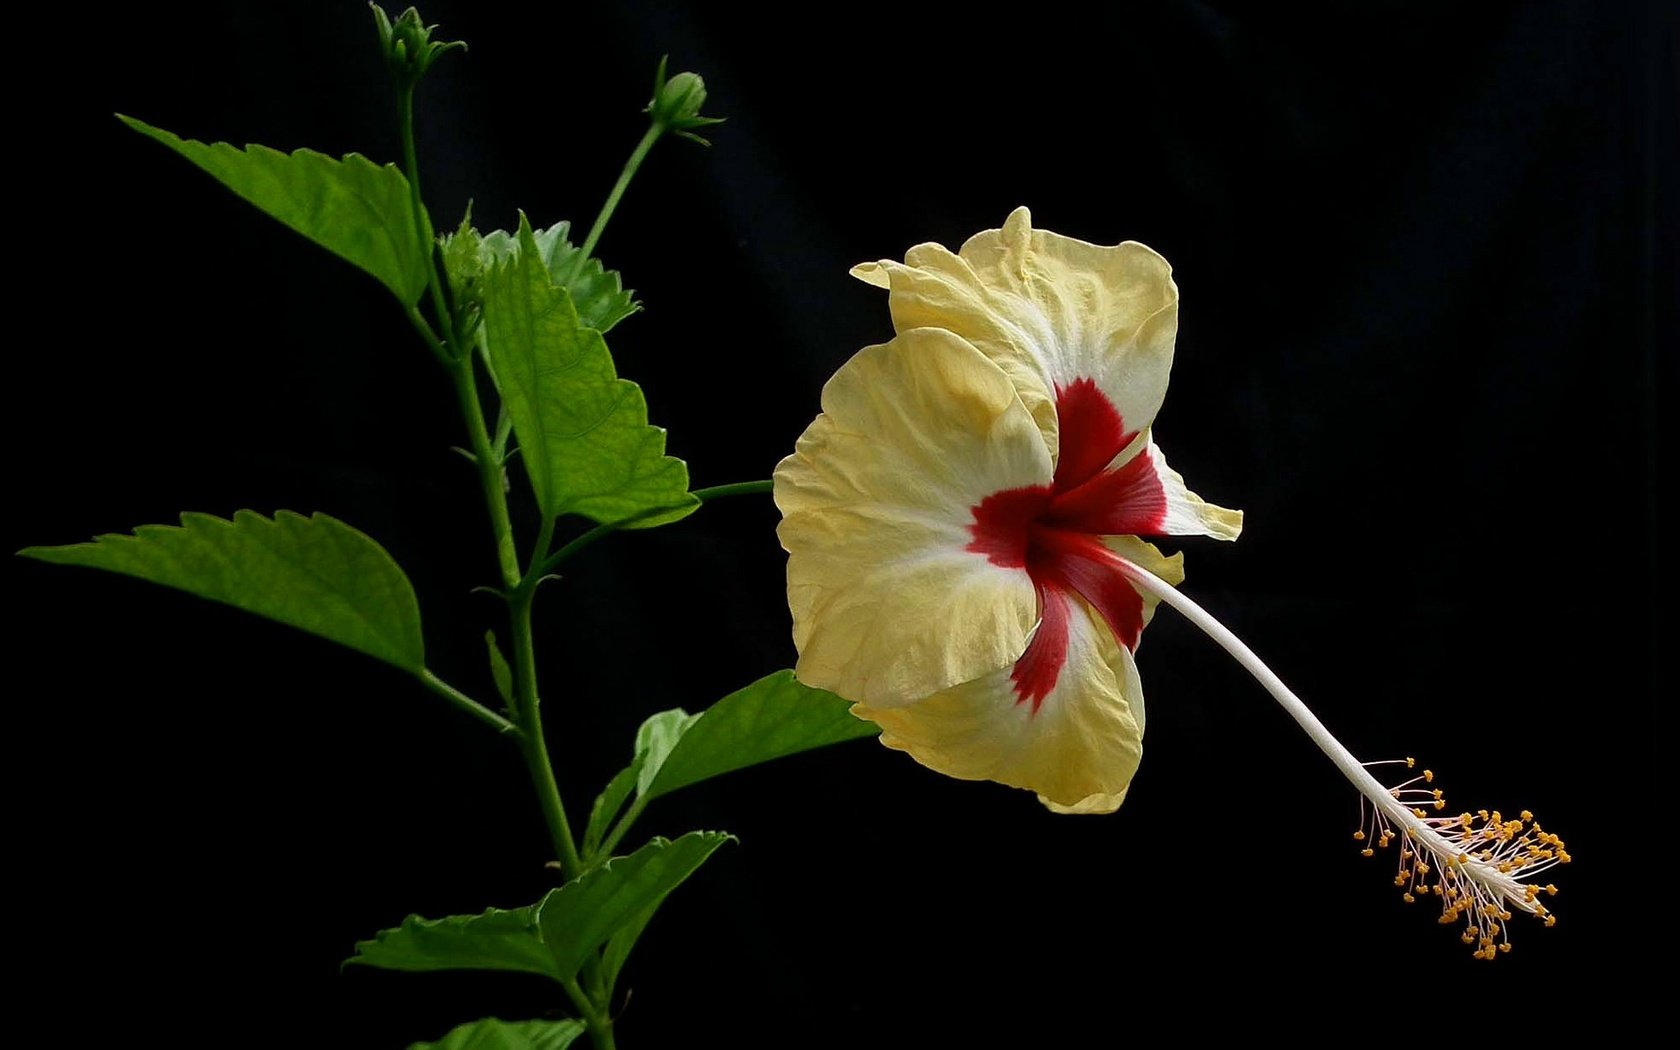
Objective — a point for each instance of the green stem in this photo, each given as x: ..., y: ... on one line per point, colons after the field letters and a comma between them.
x: 489, y: 468
x: 739, y: 488
x: 706, y: 495
x: 535, y: 747
x: 460, y: 360
x: 599, y: 1022
x: 504, y: 430
x: 539, y: 552
x: 411, y: 168
x: 466, y: 703
x: 640, y: 154
x: 612, y: 840
x: 439, y: 351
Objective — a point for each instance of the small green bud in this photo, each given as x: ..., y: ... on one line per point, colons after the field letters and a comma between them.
x: 676, y: 103
x: 408, y: 45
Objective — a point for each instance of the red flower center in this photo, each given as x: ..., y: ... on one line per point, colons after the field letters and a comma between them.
x: 1053, y: 532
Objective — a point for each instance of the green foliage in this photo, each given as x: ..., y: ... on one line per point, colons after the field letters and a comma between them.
x: 555, y: 936
x: 597, y: 293
x: 359, y: 211
x: 491, y: 1034
x: 584, y: 914
x: 771, y: 718
x: 583, y: 432
x: 655, y: 739
x: 499, y: 670
x: 316, y: 573
x: 498, y: 939
x: 618, y: 949
x: 608, y: 804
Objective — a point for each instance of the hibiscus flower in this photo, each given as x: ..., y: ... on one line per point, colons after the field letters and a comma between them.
x: 958, y: 516
x: 965, y: 528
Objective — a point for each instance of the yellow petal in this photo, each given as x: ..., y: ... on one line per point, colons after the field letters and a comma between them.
x: 1187, y: 514
x: 1078, y: 750
x: 889, y: 604
x: 1050, y: 310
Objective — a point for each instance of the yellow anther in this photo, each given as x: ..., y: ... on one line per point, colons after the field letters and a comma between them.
x: 1563, y: 857
x: 1526, y: 815
x: 1551, y: 891
x: 1551, y: 920
x: 1367, y: 852
x: 1505, y: 947
x: 1410, y: 762
x: 1440, y: 803
x: 1408, y: 898
x: 1359, y: 836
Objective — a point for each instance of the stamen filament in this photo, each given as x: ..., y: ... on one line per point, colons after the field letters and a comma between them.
x: 1478, y: 859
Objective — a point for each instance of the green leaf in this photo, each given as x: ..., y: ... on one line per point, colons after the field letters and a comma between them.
x: 773, y: 717
x: 585, y: 913
x: 583, y: 432
x: 617, y: 951
x: 654, y: 741
x: 358, y: 210
x: 597, y: 293
x: 316, y: 573
x: 608, y: 804
x: 499, y: 939
x: 499, y: 669
x: 491, y: 1034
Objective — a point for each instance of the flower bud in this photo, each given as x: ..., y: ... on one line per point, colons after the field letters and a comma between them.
x: 676, y: 103
x: 408, y: 46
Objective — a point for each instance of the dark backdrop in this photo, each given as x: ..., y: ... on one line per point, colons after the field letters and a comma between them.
x: 1427, y: 262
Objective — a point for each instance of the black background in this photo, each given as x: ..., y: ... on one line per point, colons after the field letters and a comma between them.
x: 1427, y: 262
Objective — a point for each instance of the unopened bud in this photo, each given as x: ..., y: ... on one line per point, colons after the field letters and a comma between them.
x: 408, y: 45
x: 676, y: 103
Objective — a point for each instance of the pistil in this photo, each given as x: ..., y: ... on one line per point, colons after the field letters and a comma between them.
x: 1475, y: 863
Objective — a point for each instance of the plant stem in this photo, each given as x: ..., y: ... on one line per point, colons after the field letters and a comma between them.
x: 640, y: 154
x: 599, y: 1023
x: 466, y: 703
x: 536, y: 749
x: 613, y: 838
x: 489, y: 469
x: 706, y: 495
x: 411, y: 168
x: 439, y: 351
x: 460, y: 360
x: 739, y: 488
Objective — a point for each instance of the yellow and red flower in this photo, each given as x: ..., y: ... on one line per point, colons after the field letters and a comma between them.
x: 957, y: 517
